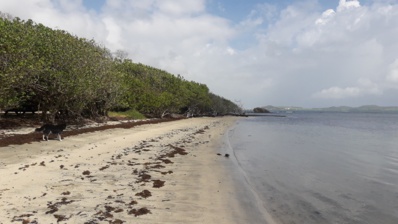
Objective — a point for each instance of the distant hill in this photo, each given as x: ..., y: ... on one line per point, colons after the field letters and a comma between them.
x: 366, y: 108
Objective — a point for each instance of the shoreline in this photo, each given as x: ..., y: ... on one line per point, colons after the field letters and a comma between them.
x: 154, y: 173
x: 249, y: 198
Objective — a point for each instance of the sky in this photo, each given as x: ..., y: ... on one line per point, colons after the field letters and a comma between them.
x: 308, y: 53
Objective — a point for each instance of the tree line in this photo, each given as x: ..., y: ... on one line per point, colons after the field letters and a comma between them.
x: 60, y: 73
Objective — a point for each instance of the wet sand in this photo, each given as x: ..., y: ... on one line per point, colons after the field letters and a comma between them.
x: 172, y: 172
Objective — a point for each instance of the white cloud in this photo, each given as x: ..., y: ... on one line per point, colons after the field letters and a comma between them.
x: 338, y: 93
x: 365, y: 87
x: 346, y: 5
x: 393, y: 72
x: 230, y: 51
x: 179, y: 7
x: 326, y: 17
x: 291, y: 22
x: 71, y: 5
x: 114, y: 32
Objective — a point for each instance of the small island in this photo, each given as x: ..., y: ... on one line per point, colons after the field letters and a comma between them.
x: 260, y: 110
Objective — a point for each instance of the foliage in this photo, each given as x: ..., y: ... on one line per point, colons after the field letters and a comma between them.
x: 74, y: 77
x: 130, y: 114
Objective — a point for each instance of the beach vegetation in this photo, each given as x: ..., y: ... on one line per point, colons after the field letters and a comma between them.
x: 129, y: 114
x: 63, y: 75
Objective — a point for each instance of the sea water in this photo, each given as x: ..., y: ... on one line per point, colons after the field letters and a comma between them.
x: 318, y: 168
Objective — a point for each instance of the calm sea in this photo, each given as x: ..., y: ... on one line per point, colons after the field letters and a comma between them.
x: 321, y: 167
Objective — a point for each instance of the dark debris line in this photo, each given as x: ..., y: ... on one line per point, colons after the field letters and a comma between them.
x: 36, y: 137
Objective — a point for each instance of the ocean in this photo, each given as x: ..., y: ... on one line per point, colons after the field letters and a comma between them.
x: 313, y: 167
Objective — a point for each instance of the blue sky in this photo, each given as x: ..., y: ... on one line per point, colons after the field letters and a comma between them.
x: 94, y: 4
x: 235, y: 10
x: 310, y: 53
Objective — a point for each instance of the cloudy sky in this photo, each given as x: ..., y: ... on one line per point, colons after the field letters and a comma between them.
x: 310, y: 53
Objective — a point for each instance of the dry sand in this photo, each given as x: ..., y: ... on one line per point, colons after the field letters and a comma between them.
x: 155, y: 173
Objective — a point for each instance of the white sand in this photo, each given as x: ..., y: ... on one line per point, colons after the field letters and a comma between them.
x: 94, y: 177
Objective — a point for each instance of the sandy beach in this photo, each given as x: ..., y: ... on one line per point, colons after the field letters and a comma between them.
x: 172, y: 172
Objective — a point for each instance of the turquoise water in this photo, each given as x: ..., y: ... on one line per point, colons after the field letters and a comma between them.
x: 321, y: 167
